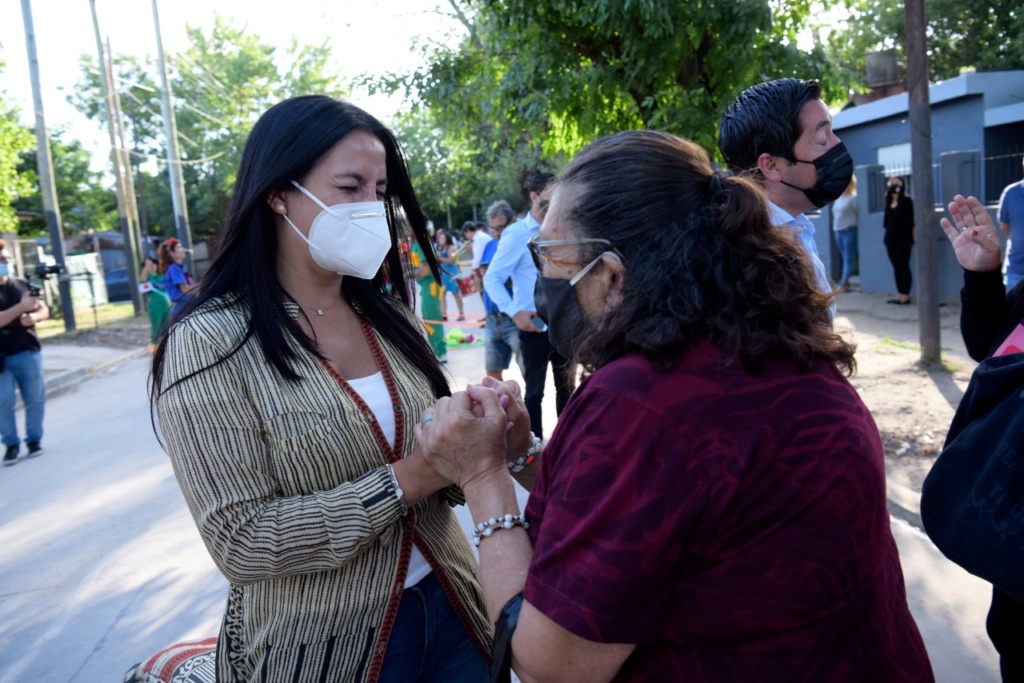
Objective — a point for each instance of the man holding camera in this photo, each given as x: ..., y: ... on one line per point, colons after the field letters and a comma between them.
x: 22, y: 363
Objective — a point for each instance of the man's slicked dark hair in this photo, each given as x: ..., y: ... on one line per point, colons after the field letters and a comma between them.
x: 764, y: 118
x: 537, y: 182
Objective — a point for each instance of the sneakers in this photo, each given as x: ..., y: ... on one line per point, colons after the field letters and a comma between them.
x: 11, y: 456
x: 34, y: 449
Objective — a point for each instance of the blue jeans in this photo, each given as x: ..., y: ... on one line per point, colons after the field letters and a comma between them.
x: 428, y: 642
x: 501, y: 341
x: 25, y: 369
x: 846, y: 240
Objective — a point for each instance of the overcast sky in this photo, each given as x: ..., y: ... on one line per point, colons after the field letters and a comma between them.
x: 365, y: 36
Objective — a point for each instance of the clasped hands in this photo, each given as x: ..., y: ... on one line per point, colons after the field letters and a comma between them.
x: 470, y: 435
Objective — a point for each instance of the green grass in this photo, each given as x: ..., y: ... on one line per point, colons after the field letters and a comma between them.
x: 109, y: 315
x: 899, y: 344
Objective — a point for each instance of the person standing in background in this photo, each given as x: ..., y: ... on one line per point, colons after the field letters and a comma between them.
x: 476, y: 233
x: 501, y: 336
x: 430, y: 301
x: 158, y: 304
x: 899, y: 236
x: 780, y: 133
x: 447, y: 254
x: 177, y: 283
x: 844, y: 225
x: 22, y: 363
x: 1011, y: 222
x: 513, y: 261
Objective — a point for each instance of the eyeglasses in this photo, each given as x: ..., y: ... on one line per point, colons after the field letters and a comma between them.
x: 541, y: 252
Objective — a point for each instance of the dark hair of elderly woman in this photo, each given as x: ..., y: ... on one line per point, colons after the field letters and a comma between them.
x: 711, y: 505
x: 286, y: 395
x: 703, y: 262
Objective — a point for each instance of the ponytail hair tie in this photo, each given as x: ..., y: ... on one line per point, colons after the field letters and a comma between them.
x: 716, y: 190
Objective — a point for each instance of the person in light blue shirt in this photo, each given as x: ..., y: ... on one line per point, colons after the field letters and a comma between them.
x: 1011, y: 221
x: 781, y: 133
x: 501, y: 336
x: 512, y: 261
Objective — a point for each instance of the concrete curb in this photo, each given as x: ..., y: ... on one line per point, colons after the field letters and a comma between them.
x: 61, y: 382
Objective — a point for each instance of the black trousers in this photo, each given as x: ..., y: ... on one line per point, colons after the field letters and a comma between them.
x: 1004, y: 625
x: 899, y: 256
x: 537, y: 353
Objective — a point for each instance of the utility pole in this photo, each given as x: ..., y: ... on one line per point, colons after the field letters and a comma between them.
x: 920, y: 118
x: 124, y: 220
x: 44, y: 164
x: 131, y: 250
x: 173, y: 157
x: 140, y: 187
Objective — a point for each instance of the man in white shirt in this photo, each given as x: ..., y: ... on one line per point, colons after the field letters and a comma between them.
x: 513, y: 262
x: 476, y: 233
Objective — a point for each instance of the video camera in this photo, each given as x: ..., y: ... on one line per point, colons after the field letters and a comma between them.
x: 43, y: 272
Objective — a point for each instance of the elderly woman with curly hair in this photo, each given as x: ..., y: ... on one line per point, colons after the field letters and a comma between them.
x: 711, y: 506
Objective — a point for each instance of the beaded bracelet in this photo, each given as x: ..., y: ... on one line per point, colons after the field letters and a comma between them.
x: 484, y: 529
x: 522, y: 462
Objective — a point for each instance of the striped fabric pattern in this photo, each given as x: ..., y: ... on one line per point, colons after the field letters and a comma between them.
x: 290, y: 491
x: 186, y: 662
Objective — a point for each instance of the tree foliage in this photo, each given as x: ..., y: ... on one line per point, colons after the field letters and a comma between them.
x: 14, y: 140
x: 985, y: 35
x: 83, y: 200
x: 452, y: 176
x: 559, y: 73
x: 221, y: 83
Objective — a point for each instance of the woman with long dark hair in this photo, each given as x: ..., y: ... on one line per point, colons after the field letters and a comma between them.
x: 286, y: 394
x: 898, y: 221
x: 711, y: 505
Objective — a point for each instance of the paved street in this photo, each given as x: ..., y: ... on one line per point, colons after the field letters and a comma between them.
x: 101, y: 566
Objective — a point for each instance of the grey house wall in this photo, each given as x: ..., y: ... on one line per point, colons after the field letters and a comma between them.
x: 957, y: 125
x: 875, y: 269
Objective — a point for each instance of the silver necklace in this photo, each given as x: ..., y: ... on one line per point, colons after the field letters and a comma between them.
x: 319, y: 311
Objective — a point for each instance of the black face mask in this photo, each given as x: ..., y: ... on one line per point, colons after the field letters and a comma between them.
x: 835, y: 168
x: 557, y: 304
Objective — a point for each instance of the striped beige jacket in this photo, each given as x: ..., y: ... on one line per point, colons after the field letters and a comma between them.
x: 288, y: 486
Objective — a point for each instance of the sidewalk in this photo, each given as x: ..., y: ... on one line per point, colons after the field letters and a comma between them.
x: 64, y: 365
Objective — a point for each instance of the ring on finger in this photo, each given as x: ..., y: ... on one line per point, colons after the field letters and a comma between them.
x: 426, y: 419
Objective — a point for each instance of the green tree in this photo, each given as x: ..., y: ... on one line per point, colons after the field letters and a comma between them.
x: 14, y: 140
x: 452, y: 176
x: 222, y: 83
x: 557, y: 73
x: 83, y: 200
x: 986, y: 35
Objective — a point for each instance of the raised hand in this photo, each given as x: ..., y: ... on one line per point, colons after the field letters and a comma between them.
x: 973, y: 235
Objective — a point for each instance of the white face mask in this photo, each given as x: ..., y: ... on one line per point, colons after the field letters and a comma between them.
x: 348, y: 239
